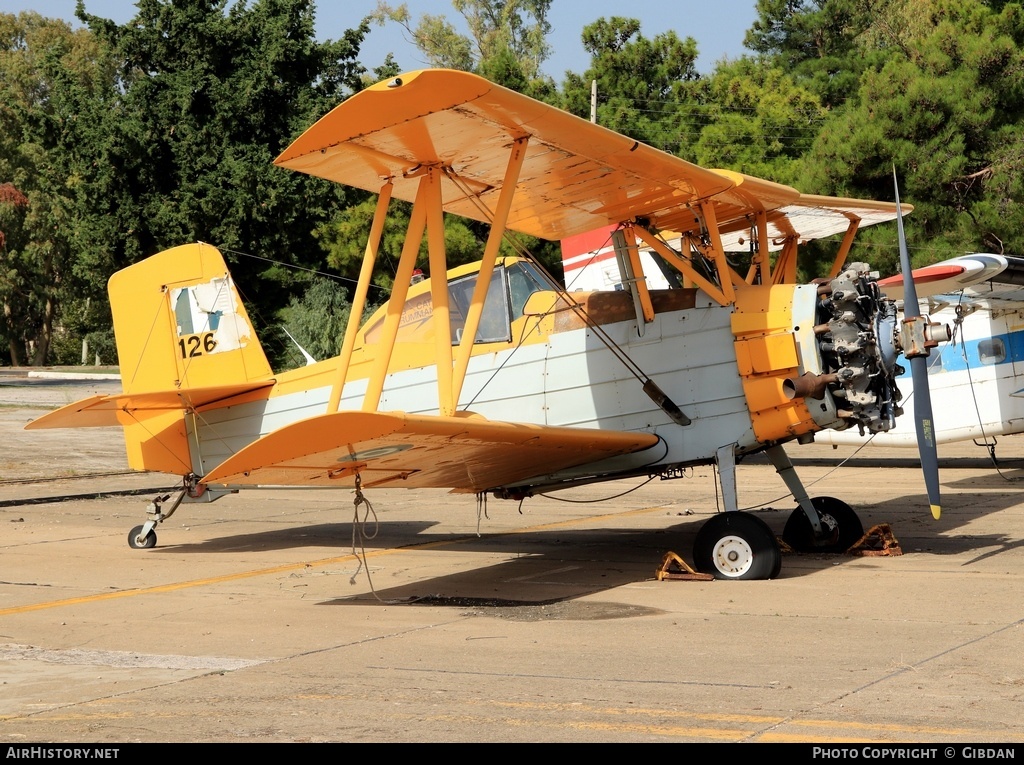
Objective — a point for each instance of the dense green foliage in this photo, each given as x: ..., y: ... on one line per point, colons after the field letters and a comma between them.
x: 120, y: 140
x: 644, y: 86
x: 210, y: 96
x: 55, y: 87
x: 158, y: 132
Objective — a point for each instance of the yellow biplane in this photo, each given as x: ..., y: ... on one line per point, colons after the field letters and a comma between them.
x: 491, y: 380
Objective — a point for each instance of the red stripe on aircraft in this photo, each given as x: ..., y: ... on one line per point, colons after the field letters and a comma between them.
x: 587, y: 242
x: 925, y: 275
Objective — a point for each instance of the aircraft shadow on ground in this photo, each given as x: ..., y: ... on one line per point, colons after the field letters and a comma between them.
x: 1008, y: 478
x: 333, y: 535
x: 556, y: 566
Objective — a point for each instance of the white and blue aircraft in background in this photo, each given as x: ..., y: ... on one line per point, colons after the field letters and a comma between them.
x: 977, y: 378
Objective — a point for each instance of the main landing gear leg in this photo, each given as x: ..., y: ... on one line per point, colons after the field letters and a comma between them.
x: 733, y: 544
x: 726, y: 459
x: 784, y: 467
x: 821, y: 524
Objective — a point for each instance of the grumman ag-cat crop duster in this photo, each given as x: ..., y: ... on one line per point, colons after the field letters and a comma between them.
x: 490, y: 380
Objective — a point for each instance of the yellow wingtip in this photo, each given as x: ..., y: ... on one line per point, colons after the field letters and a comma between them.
x: 936, y: 511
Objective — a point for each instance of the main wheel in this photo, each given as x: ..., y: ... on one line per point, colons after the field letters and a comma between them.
x: 138, y: 542
x: 737, y: 546
x: 839, y: 522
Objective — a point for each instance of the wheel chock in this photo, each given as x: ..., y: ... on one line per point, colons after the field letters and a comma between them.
x: 675, y: 568
x: 877, y: 541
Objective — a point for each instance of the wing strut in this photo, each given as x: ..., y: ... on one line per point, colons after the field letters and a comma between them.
x: 725, y: 272
x: 632, y: 273
x: 439, y: 292
x: 399, y: 292
x: 760, y: 271
x: 359, y: 299
x: 722, y: 293
x: 785, y: 265
x: 427, y: 214
x: 844, y: 247
x: 483, y: 282
x: 681, y: 264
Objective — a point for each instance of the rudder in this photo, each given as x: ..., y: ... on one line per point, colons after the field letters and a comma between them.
x: 179, y: 324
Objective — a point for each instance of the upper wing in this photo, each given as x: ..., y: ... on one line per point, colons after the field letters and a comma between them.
x: 576, y: 176
x: 466, y: 453
x: 807, y: 217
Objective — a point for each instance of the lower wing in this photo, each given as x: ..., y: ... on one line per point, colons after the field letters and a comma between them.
x: 394, y: 449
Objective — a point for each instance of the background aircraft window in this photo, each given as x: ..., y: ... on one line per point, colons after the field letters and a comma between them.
x: 992, y: 351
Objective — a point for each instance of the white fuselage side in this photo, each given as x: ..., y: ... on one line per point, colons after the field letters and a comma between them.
x: 571, y: 379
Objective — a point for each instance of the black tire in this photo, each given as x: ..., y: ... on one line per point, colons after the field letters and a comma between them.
x: 839, y: 520
x: 737, y: 546
x: 137, y: 542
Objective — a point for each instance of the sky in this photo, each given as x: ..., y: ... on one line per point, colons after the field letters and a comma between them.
x: 718, y: 27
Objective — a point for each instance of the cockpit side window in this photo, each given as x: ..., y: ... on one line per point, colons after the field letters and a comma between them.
x: 510, y: 288
x: 494, y: 321
x: 523, y: 281
x: 992, y: 351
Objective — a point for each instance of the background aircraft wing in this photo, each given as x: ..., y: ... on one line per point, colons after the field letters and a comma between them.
x: 467, y: 454
x: 995, y: 279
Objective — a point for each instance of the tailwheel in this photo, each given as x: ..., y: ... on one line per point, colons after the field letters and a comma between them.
x: 737, y: 545
x: 139, y: 540
x: 839, y: 523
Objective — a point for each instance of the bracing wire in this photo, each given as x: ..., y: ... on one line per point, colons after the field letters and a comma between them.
x: 488, y: 215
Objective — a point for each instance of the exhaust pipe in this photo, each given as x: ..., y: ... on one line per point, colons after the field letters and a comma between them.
x: 808, y: 385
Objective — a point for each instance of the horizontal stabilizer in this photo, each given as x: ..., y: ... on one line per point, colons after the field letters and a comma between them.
x: 467, y: 453
x: 102, y: 411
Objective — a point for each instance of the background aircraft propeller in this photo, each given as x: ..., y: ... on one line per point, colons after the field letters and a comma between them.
x: 916, y: 341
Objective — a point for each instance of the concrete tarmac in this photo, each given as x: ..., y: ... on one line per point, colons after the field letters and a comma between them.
x: 277, y: 616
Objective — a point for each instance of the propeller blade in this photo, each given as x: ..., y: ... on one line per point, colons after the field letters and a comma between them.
x: 919, y: 372
x: 926, y: 433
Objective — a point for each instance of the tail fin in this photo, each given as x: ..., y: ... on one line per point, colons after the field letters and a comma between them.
x: 184, y: 341
x: 185, y: 344
x: 180, y: 324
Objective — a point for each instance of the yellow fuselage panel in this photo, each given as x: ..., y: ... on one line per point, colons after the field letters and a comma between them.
x: 766, y: 355
x: 156, y: 441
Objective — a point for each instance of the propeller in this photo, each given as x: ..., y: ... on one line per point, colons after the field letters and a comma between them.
x: 915, y: 347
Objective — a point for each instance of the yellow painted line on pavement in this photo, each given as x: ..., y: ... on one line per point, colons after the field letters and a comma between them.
x: 743, y: 719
